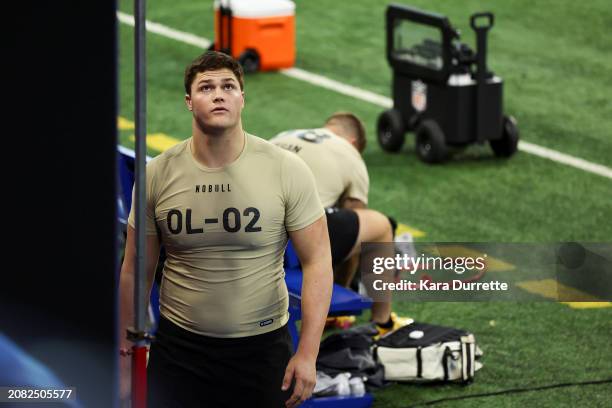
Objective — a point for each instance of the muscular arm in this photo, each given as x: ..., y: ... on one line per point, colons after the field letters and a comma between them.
x: 128, y: 271
x: 312, y: 247
x: 126, y: 296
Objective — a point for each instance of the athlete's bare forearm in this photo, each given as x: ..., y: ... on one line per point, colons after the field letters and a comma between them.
x: 126, y: 280
x: 312, y: 247
x: 316, y: 295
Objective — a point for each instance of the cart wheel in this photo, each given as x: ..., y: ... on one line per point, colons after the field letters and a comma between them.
x: 430, y: 145
x: 390, y: 130
x: 249, y: 60
x: 508, y: 144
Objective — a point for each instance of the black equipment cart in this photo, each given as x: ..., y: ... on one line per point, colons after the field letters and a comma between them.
x: 442, y: 89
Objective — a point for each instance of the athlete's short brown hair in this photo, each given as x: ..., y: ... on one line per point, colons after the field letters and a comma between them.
x: 351, y: 124
x: 212, y: 61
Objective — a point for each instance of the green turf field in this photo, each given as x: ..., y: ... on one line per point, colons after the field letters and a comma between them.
x: 556, y: 59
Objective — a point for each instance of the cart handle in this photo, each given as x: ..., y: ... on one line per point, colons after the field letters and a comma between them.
x: 481, y: 16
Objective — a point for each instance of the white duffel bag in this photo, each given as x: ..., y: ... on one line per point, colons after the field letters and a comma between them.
x: 421, y: 352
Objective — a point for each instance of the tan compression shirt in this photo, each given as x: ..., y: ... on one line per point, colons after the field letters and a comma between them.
x: 338, y: 168
x: 225, y: 232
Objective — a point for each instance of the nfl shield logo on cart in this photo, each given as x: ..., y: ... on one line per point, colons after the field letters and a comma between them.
x: 419, y: 96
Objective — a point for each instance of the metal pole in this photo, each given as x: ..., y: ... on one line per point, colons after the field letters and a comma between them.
x: 140, y: 299
x: 141, y: 132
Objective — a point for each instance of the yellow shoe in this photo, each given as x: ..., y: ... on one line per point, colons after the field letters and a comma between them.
x: 340, y: 322
x: 397, y: 323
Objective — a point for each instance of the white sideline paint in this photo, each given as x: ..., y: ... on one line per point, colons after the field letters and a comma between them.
x: 367, y: 96
x: 166, y: 31
x: 323, y: 82
x: 565, y: 159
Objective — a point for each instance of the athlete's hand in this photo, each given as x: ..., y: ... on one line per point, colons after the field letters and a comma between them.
x: 303, y: 369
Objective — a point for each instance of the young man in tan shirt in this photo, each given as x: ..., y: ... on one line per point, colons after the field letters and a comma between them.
x: 224, y: 203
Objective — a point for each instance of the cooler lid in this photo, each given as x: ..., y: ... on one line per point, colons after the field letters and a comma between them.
x: 259, y: 8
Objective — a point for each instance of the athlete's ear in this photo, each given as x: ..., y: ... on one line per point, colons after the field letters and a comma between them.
x: 188, y: 102
x: 242, y: 98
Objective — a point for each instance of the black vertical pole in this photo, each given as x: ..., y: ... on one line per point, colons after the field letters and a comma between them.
x: 140, y: 303
x: 137, y: 333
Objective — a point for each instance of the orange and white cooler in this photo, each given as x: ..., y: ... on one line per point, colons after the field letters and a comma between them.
x: 258, y: 33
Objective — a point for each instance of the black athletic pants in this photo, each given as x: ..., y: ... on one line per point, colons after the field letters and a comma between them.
x: 188, y: 370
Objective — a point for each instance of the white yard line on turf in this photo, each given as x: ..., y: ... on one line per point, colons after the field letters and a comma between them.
x: 323, y: 82
x: 161, y: 29
x: 563, y: 158
x: 367, y: 96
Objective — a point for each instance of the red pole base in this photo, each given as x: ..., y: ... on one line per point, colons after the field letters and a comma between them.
x: 139, y: 377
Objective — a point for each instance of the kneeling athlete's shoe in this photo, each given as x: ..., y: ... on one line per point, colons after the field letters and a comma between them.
x: 395, y: 322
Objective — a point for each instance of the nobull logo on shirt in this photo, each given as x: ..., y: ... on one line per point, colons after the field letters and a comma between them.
x: 213, y: 188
